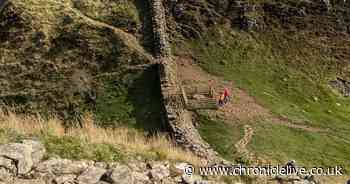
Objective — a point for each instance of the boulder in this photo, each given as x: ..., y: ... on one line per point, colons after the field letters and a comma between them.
x: 62, y: 166
x: 69, y: 178
x: 141, y: 178
x: 22, y: 181
x: 191, y: 179
x: 5, y: 175
x: 101, y: 165
x: 7, y: 163
x: 102, y: 182
x: 21, y: 154
x: 91, y: 176
x: 159, y: 171
x: 179, y: 169
x: 121, y: 175
x: 26, y: 155
x: 38, y: 150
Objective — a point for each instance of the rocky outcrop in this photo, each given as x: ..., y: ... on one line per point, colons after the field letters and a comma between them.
x: 22, y: 163
x: 342, y: 86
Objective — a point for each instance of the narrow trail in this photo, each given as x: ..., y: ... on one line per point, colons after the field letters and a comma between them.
x: 241, y: 145
x: 243, y: 107
x: 128, y: 39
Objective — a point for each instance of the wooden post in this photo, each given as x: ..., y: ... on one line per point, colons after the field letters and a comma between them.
x: 184, y: 96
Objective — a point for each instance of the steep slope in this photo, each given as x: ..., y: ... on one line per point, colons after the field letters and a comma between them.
x: 67, y: 57
x: 283, y: 55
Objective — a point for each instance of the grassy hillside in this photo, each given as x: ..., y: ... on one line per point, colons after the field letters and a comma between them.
x: 286, y: 63
x: 90, y: 142
x: 68, y: 57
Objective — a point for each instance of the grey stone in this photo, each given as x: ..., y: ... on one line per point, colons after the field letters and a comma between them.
x: 121, y: 175
x: 69, y: 178
x: 48, y: 177
x: 7, y: 163
x: 137, y: 166
x: 5, y: 175
x: 38, y: 150
x: 21, y: 153
x: 341, y: 85
x: 141, y: 178
x: 191, y: 179
x: 62, y: 166
x: 302, y: 182
x: 102, y: 182
x: 22, y: 181
x: 159, y: 171
x: 91, y: 176
x: 179, y: 169
x: 26, y: 155
x: 101, y: 165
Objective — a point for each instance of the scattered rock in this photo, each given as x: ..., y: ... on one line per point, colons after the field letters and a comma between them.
x: 7, y: 163
x: 102, y: 182
x: 159, y: 171
x: 341, y: 85
x: 21, y: 153
x: 38, y: 150
x: 65, y: 179
x: 191, y: 179
x: 179, y: 169
x: 141, y: 178
x: 5, y: 176
x: 62, y: 166
x: 22, y: 181
x: 91, y: 176
x: 101, y: 165
x: 121, y: 175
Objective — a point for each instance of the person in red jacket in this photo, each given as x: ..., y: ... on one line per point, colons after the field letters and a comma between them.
x: 224, y: 97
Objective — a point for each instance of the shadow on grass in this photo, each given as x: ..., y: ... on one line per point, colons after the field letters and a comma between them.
x: 145, y: 97
x: 220, y: 135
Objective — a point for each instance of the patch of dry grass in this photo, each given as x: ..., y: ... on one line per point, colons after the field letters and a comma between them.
x: 128, y: 140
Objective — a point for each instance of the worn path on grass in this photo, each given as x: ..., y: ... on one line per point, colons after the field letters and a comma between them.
x: 242, y: 108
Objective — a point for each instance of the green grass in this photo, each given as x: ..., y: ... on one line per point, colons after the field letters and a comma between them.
x: 309, y: 149
x: 133, y: 101
x: 287, y: 74
x: 123, y: 14
x: 221, y: 136
x: 78, y: 149
x: 284, y: 75
x: 67, y: 147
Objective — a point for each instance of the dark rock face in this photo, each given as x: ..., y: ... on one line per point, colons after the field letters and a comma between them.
x: 193, y: 18
x: 342, y: 86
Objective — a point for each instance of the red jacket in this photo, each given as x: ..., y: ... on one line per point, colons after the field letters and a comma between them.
x: 226, y: 93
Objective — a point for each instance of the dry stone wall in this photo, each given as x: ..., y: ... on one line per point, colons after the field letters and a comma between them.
x: 175, y: 114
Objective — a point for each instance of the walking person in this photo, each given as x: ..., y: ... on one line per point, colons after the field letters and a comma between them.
x: 224, y: 97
